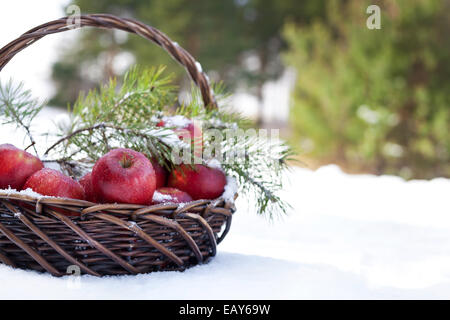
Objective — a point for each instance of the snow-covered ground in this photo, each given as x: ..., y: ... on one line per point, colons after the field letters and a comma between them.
x: 348, y: 236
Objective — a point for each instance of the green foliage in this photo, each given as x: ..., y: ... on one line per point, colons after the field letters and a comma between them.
x: 18, y: 107
x: 142, y: 94
x: 375, y: 100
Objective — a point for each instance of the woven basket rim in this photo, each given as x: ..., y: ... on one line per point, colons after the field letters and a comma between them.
x: 95, y: 207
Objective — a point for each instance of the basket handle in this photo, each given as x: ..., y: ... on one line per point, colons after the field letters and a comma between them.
x: 107, y: 21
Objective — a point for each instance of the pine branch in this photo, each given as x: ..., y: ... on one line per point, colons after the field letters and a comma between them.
x: 68, y: 137
x: 258, y: 164
x: 18, y: 107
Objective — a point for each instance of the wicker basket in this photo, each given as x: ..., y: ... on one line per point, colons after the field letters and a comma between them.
x: 110, y: 239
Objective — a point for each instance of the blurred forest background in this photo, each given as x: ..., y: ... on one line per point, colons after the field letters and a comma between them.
x: 375, y: 101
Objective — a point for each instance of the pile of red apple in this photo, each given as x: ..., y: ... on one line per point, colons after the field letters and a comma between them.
x: 120, y: 176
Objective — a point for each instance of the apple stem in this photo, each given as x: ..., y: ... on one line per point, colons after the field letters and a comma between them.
x: 126, y: 160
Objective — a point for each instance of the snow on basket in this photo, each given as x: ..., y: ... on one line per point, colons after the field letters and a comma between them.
x: 50, y: 234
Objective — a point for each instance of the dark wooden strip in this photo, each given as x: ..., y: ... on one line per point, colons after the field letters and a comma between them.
x: 132, y: 226
x: 229, y: 217
x: 206, y: 227
x: 93, y: 242
x: 177, y: 227
x: 153, y: 208
x: 36, y: 256
x: 106, y: 207
x: 49, y: 241
x: 5, y: 260
x: 188, y: 206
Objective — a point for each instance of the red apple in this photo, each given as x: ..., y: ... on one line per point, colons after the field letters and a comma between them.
x: 164, y: 195
x: 124, y: 176
x: 200, y: 182
x: 160, y: 172
x: 86, y: 183
x: 49, y: 182
x: 193, y: 131
x: 187, y: 131
x: 16, y: 166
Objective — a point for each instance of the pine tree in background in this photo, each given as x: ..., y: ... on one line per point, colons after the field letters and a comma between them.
x: 375, y: 100
x: 220, y: 34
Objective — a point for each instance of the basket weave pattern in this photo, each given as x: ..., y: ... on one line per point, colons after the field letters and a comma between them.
x: 50, y: 234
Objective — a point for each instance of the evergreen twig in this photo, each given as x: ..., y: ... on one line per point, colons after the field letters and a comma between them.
x: 18, y: 107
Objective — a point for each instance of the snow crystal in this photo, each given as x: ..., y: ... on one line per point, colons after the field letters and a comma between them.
x: 181, y: 205
x: 168, y: 137
x: 231, y: 188
x: 177, y: 121
x: 155, y: 119
x: 159, y: 197
x: 171, y: 139
x: 214, y: 164
x: 28, y: 192
x: 133, y: 226
x: 199, y: 66
x: 53, y: 165
x: 217, y: 123
x: 127, y: 95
